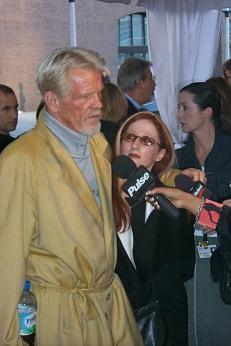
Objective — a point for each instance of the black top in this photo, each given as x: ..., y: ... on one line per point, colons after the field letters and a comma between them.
x: 109, y: 130
x: 217, y: 164
x: 5, y: 140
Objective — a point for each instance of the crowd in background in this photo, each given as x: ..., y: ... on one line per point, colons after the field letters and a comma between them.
x: 61, y: 206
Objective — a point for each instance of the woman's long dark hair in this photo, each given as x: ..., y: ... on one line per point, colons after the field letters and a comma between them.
x: 223, y: 89
x: 205, y: 95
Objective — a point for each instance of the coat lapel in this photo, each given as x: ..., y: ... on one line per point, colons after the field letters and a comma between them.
x: 101, y: 158
x: 71, y: 173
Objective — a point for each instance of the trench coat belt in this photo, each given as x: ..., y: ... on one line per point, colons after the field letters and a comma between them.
x: 84, y: 297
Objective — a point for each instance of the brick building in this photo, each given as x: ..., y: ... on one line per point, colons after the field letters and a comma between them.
x: 30, y: 29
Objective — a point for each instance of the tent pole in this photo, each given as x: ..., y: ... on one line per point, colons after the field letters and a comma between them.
x: 72, y: 16
x: 226, y: 34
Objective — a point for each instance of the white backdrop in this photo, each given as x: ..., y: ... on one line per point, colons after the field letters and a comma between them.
x: 183, y: 43
x: 183, y: 47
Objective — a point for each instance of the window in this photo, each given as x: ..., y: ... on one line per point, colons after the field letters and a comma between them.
x: 133, y: 37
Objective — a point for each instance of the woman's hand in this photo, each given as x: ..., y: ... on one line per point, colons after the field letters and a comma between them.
x: 195, y: 174
x: 169, y: 176
x: 227, y: 202
x: 179, y: 198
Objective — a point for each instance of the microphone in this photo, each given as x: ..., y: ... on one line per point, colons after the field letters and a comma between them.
x: 196, y: 188
x: 123, y: 167
x: 140, y: 180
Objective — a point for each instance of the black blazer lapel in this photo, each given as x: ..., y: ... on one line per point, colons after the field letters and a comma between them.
x: 133, y: 286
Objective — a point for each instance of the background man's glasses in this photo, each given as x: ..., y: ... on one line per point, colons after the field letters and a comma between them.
x: 145, y: 140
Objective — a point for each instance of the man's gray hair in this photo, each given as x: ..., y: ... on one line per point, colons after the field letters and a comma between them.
x: 52, y: 72
x: 133, y: 69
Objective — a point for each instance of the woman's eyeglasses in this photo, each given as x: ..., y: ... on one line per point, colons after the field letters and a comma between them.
x: 145, y: 140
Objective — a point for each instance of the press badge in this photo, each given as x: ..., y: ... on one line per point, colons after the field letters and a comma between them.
x: 205, y: 250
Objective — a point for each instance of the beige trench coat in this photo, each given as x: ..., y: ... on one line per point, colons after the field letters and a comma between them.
x: 52, y: 231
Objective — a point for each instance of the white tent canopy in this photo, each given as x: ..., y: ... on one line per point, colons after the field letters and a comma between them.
x: 208, y: 4
x: 183, y: 45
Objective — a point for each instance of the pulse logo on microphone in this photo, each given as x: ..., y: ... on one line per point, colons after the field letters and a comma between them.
x: 139, y: 181
x: 138, y: 184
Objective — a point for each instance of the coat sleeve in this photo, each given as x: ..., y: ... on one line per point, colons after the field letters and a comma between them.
x: 16, y: 228
x: 168, y: 177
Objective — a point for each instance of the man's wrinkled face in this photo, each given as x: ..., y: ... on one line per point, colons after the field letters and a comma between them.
x: 80, y: 108
x: 8, y: 112
x: 148, y: 86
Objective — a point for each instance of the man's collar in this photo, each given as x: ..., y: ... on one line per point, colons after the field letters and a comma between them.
x: 74, y: 141
x: 138, y: 106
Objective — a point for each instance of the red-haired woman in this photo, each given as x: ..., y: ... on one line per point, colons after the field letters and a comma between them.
x: 155, y: 251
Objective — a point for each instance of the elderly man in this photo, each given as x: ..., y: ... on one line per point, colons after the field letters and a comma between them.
x: 137, y: 82
x: 57, y: 224
x: 8, y: 115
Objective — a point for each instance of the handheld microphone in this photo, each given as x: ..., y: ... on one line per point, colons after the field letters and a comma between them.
x: 196, y: 188
x: 139, y: 181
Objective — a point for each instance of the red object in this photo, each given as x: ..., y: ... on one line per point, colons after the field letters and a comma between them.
x: 210, y: 214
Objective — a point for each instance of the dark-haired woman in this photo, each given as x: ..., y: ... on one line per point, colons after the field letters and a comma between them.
x: 208, y: 149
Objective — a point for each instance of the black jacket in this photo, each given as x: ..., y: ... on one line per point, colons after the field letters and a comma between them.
x: 131, y: 110
x: 224, y: 233
x: 109, y: 129
x: 164, y: 256
x: 217, y: 164
x: 5, y: 140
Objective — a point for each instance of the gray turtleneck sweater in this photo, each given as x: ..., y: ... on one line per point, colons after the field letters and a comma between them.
x: 77, y: 145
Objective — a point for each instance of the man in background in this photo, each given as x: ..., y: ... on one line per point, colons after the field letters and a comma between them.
x: 8, y: 115
x: 57, y: 225
x: 137, y: 82
x: 226, y: 70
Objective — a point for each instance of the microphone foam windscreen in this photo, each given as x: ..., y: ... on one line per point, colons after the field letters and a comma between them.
x: 123, y: 167
x: 183, y: 182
